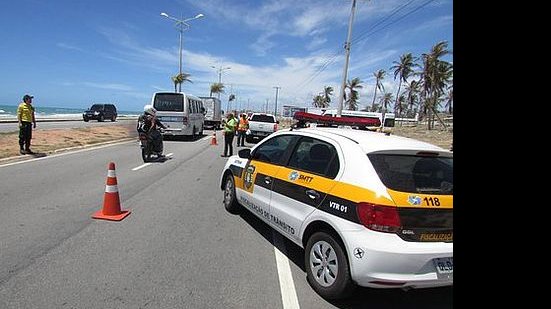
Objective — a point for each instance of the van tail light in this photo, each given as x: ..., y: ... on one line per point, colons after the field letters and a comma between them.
x: 185, y: 120
x: 379, y: 218
x: 275, y: 127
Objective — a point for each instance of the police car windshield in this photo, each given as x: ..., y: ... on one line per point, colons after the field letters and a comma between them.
x: 414, y: 174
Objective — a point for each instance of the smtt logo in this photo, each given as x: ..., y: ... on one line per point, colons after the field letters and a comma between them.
x: 249, y: 176
x: 293, y: 175
x: 414, y: 200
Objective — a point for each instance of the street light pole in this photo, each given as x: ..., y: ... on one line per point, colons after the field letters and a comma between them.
x: 275, y: 109
x: 220, y: 70
x: 181, y: 25
x: 347, y: 58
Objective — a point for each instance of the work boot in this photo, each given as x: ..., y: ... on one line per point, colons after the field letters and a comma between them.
x: 29, y: 151
x: 22, y: 151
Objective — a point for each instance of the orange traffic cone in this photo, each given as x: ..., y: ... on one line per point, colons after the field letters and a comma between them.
x: 111, y: 202
x: 213, y: 140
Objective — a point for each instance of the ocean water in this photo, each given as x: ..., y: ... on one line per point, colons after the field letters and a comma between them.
x: 10, y: 111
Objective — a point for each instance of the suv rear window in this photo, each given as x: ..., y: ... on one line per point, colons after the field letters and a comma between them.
x: 169, y: 102
x: 414, y: 174
x: 263, y: 118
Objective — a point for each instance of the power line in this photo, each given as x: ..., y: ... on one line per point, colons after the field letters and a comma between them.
x: 362, y: 36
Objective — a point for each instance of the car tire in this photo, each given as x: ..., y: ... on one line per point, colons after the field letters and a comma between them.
x: 249, y: 139
x: 201, y: 132
x: 101, y: 118
x: 327, y: 268
x: 85, y: 119
x: 230, y: 200
x: 113, y: 118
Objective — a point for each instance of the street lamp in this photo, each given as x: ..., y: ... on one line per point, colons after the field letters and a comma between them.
x: 181, y: 25
x: 220, y: 69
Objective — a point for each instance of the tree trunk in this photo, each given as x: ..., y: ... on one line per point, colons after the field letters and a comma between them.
x: 439, y: 119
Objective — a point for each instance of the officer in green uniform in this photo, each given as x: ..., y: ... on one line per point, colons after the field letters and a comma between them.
x: 25, y: 117
x: 229, y: 132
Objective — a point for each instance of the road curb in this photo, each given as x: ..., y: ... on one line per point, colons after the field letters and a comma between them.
x: 62, y: 150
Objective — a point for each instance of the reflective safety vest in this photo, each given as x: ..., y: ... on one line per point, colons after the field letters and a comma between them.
x: 243, y: 124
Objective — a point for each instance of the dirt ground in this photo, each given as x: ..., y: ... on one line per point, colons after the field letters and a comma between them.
x: 45, y: 142
x: 438, y: 137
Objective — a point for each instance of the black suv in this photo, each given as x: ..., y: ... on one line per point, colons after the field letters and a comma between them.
x: 100, y: 112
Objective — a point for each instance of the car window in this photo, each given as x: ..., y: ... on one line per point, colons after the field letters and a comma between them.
x: 168, y: 102
x: 414, y: 174
x: 272, y: 150
x: 315, y: 156
x: 263, y: 118
x: 96, y: 107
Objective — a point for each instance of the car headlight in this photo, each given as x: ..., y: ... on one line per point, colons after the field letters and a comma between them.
x: 96, y: 113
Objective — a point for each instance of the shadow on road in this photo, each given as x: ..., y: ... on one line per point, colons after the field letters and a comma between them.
x: 362, y: 297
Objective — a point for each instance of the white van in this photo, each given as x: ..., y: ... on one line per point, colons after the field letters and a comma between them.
x: 183, y: 114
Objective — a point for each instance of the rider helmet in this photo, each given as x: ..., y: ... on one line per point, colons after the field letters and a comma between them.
x: 149, y: 109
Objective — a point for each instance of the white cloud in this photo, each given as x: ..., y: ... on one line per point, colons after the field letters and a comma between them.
x: 108, y: 86
x: 68, y: 46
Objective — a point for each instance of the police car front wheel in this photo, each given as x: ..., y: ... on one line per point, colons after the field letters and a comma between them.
x: 230, y: 201
x: 327, y: 268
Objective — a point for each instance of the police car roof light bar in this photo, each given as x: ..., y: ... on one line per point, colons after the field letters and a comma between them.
x: 303, y: 117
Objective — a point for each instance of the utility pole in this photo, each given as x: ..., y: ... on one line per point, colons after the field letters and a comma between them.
x: 266, y: 109
x: 275, y: 109
x: 347, y: 58
x: 220, y: 69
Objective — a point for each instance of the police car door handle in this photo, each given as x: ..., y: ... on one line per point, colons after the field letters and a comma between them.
x: 267, y: 180
x: 313, y: 194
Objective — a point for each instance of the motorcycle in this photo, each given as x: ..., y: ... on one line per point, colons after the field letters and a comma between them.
x: 147, y: 146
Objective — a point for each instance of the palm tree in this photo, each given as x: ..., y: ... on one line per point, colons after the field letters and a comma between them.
x: 179, y: 79
x: 327, y: 92
x: 412, y: 91
x: 436, y: 75
x: 216, y: 88
x: 352, y: 100
x: 399, y: 105
x: 404, y: 69
x: 385, y: 101
x: 318, y: 101
x: 379, y: 76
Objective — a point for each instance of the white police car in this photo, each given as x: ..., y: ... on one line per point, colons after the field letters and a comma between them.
x: 369, y: 209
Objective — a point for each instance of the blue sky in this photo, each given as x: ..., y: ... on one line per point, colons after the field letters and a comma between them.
x: 71, y: 53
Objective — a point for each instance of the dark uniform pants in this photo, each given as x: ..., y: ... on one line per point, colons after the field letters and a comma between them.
x: 228, y: 143
x: 25, y: 135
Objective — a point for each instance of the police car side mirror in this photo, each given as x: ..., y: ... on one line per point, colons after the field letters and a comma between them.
x: 245, y: 153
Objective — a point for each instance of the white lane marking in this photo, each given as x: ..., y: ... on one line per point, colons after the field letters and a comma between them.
x: 286, y: 283
x: 147, y: 164
x: 65, y: 153
x: 141, y: 166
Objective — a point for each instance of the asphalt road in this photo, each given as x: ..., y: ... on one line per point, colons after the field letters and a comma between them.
x: 13, y: 127
x: 178, y: 248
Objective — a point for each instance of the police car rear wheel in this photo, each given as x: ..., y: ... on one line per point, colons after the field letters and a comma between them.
x: 327, y: 268
x: 230, y: 202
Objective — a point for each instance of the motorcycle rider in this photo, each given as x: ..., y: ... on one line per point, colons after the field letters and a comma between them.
x: 149, y: 124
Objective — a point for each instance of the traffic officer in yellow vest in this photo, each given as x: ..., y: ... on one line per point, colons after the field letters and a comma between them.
x: 229, y: 132
x: 25, y: 116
